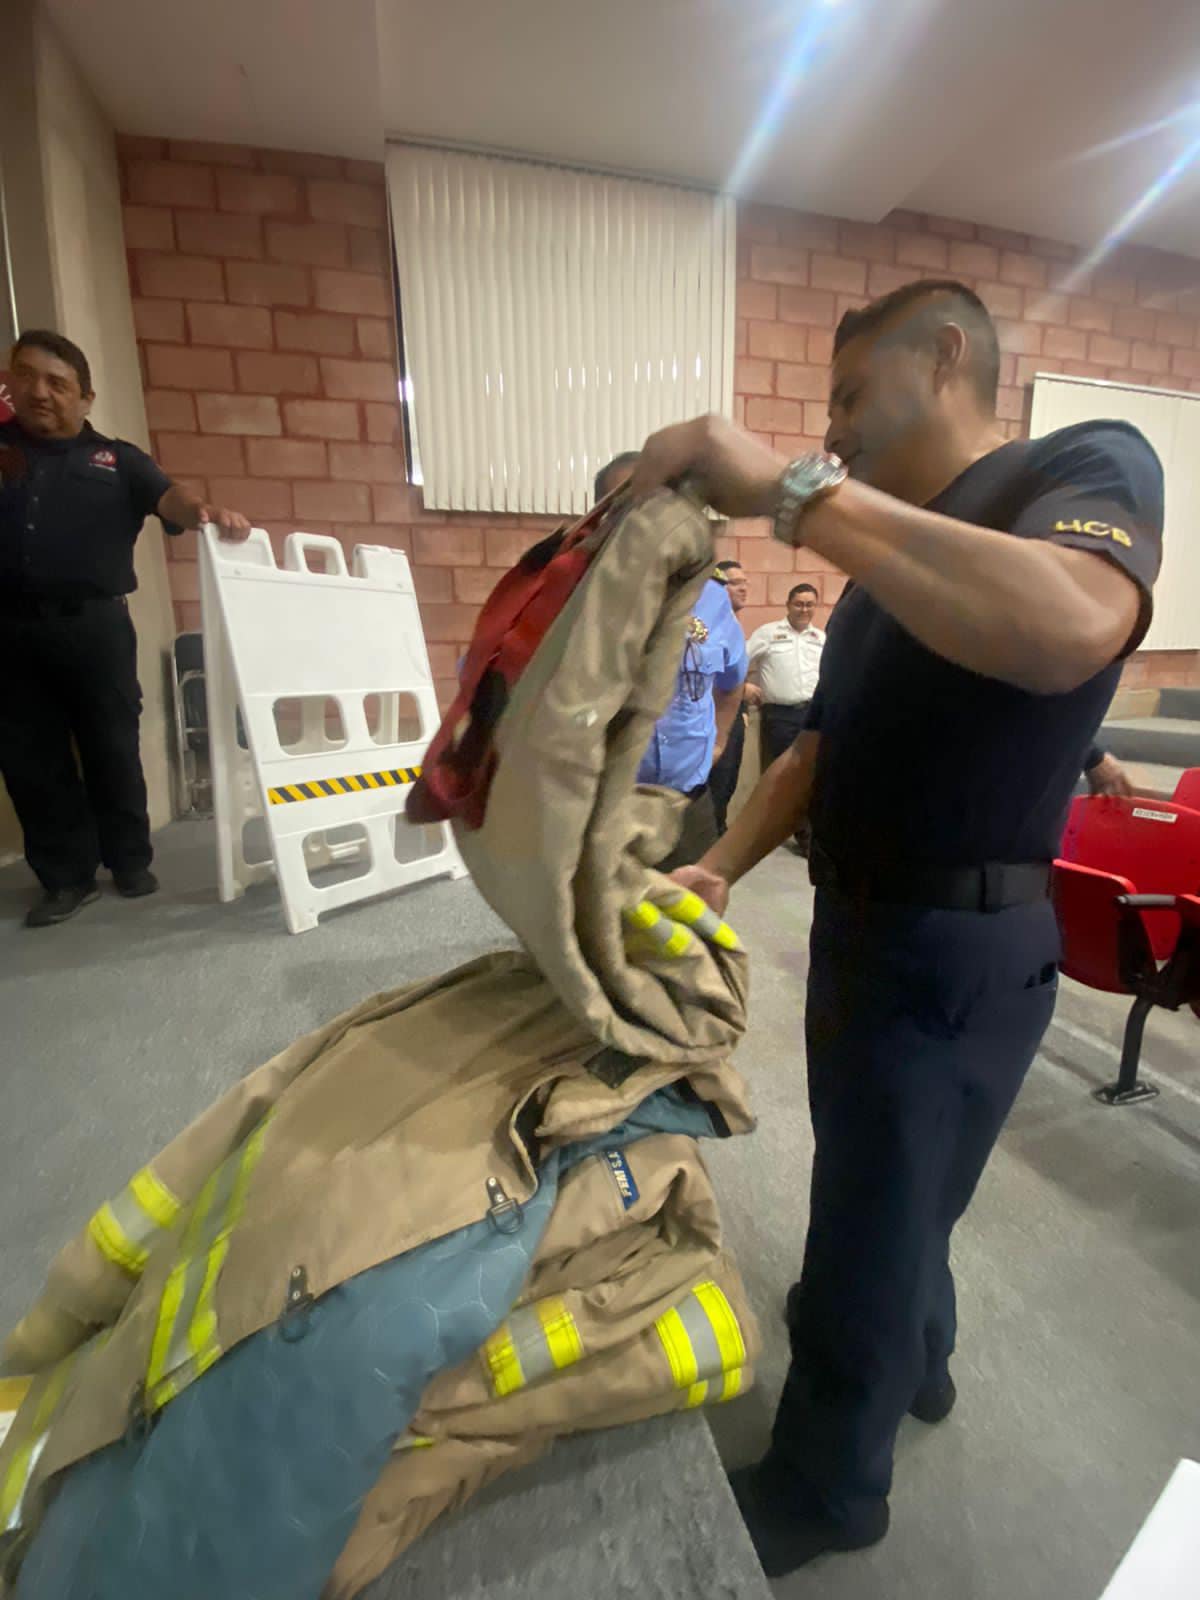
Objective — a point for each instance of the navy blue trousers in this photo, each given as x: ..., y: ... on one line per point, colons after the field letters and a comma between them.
x: 921, y: 1025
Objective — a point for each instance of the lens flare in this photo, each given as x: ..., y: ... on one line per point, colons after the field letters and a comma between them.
x: 1128, y: 221
x: 809, y: 43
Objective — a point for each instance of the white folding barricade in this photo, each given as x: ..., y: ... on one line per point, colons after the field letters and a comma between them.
x: 286, y: 645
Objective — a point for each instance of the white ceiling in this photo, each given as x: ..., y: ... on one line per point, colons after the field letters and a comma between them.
x: 968, y: 108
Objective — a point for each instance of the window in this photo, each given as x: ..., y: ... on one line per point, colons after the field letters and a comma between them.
x: 1171, y: 422
x: 552, y: 318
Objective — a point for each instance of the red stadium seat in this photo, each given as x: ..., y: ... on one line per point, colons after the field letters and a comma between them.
x: 1153, y: 843
x: 1187, y: 790
x: 1127, y: 893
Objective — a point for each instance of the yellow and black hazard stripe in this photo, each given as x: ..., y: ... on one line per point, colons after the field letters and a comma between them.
x: 354, y: 783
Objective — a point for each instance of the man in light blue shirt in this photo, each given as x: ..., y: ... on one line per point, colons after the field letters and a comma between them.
x: 691, y: 733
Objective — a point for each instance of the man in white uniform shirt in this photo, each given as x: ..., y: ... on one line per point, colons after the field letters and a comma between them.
x: 785, y: 660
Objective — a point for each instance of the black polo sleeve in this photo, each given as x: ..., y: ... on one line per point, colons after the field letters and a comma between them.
x: 1099, y: 487
x: 145, y: 482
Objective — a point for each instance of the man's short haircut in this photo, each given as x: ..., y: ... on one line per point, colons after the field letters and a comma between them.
x: 625, y: 459
x: 54, y: 344
x: 728, y: 565
x: 934, y: 302
x: 802, y: 588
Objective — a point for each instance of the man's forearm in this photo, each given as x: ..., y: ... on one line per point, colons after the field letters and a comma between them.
x: 1013, y: 609
x: 181, y: 508
x: 776, y: 808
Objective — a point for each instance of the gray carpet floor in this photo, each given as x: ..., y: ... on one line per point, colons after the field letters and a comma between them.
x: 1078, y: 1264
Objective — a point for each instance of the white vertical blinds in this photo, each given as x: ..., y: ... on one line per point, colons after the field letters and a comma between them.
x: 1171, y: 422
x: 552, y: 318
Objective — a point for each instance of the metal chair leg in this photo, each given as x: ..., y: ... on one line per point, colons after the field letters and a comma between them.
x: 1128, y: 1089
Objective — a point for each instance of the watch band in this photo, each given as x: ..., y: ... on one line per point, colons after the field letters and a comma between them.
x: 807, y: 478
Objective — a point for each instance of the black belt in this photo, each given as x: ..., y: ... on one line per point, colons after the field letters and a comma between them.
x: 992, y: 887
x: 37, y: 607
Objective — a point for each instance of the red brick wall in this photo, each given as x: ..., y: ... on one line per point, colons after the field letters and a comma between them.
x: 262, y: 293
x: 1136, y: 319
x: 263, y: 301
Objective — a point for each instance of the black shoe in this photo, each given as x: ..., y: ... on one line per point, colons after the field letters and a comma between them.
x: 934, y: 1399
x: 786, y: 1536
x: 133, y: 885
x: 58, y: 905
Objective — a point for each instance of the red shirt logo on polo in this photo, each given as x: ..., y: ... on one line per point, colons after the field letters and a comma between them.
x: 103, y: 458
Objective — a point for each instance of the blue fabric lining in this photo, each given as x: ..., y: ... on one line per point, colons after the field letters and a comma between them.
x: 251, y: 1483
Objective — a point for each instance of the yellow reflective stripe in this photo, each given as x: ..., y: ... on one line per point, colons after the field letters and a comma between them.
x: 414, y: 1441
x: 504, y: 1363
x: 352, y: 783
x: 125, y: 1227
x: 13, y: 1392
x: 702, y: 1340
x: 691, y: 910
x: 176, y: 1287
x: 534, y: 1343
x: 114, y: 1243
x: 724, y: 1325
x: 389, y: 778
x: 49, y: 1390
x: 371, y: 781
x: 643, y: 915
x: 185, y: 1338
x: 202, y: 1335
x: 731, y: 1386
x: 672, y: 938
x: 155, y: 1199
x: 562, y: 1336
x: 678, y: 1346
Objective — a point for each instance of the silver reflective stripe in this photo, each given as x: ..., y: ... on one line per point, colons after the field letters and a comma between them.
x: 695, y: 913
x: 705, y: 1349
x: 126, y: 1228
x: 544, y: 1339
x: 534, y: 1343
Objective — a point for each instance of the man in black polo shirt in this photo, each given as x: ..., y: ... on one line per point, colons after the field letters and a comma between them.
x: 997, y: 586
x: 72, y: 503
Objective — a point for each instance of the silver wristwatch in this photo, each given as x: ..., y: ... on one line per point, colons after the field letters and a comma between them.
x: 804, y: 480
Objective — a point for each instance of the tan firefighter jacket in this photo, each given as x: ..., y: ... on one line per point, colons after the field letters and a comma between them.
x: 421, y: 1110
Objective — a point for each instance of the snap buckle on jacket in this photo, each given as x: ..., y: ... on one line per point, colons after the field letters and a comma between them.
x: 505, y: 1215
x: 298, y: 1303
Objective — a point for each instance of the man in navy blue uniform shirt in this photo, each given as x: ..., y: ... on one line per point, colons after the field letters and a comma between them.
x: 72, y: 503
x: 997, y: 586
